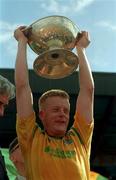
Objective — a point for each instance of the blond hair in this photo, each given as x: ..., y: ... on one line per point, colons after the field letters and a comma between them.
x: 52, y: 93
x: 6, y: 87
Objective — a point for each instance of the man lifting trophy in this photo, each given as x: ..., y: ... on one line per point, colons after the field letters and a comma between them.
x: 54, y: 152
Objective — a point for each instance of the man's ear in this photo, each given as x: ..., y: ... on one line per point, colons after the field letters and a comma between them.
x: 41, y: 114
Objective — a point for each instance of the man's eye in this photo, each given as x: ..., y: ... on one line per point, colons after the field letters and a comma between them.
x: 66, y: 111
x: 55, y: 110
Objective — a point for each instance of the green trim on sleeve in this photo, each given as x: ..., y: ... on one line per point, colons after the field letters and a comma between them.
x: 77, y: 133
x: 35, y: 128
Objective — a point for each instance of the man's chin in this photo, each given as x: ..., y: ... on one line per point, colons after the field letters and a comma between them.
x: 60, y: 133
x: 57, y: 132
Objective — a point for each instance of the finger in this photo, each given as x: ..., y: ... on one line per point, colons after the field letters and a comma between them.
x: 87, y: 36
x: 22, y: 27
x: 84, y: 33
x: 79, y: 36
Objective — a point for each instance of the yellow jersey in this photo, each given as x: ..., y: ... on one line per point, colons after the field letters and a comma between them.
x: 50, y: 158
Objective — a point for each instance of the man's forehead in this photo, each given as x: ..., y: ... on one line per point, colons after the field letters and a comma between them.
x: 58, y: 98
x: 56, y: 101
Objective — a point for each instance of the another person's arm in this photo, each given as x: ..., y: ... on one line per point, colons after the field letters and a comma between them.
x: 23, y: 91
x: 84, y: 106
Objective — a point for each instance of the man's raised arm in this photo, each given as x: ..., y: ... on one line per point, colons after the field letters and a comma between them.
x: 85, y: 98
x: 23, y: 91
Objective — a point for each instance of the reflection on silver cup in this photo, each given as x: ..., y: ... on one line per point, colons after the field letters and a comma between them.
x: 53, y: 39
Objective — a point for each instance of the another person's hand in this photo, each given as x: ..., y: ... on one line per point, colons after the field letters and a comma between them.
x: 19, y: 35
x: 83, y: 40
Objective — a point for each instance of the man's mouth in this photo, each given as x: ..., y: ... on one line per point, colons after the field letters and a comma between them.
x: 61, y: 122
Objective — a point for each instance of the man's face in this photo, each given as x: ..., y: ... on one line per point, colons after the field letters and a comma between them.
x: 55, y: 116
x: 4, y: 99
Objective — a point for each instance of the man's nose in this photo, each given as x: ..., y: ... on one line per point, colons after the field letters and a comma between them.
x: 62, y: 112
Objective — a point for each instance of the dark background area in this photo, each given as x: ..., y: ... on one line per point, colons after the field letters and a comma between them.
x: 103, y: 153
